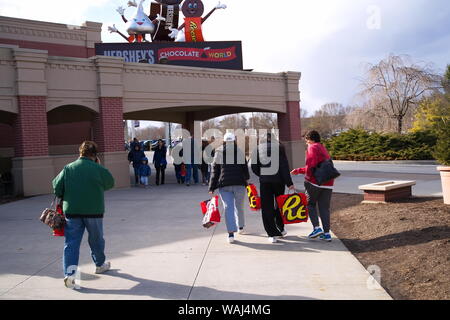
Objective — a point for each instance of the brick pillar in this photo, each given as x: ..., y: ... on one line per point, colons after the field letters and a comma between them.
x: 109, y: 135
x: 290, y: 134
x: 30, y: 127
x: 108, y: 125
x: 289, y: 122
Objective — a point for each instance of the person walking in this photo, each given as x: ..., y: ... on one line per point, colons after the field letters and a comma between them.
x: 144, y: 173
x: 135, y: 157
x: 160, y: 161
x: 270, y: 164
x: 191, y: 154
x: 231, y: 177
x: 318, y: 196
x: 204, y: 167
x: 81, y: 185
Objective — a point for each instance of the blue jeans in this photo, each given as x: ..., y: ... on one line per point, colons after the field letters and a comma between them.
x: 74, y: 231
x: 233, y: 204
x: 189, y: 169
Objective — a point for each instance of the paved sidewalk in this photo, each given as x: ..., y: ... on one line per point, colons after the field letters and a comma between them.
x: 159, y: 250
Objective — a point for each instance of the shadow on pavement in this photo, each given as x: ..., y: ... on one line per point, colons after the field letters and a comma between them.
x: 291, y: 243
x: 165, y: 290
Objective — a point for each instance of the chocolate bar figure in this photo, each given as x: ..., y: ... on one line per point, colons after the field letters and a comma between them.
x: 168, y: 9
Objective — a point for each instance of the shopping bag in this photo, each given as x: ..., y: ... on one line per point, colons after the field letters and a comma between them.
x: 183, y: 170
x: 210, y: 210
x: 253, y: 198
x: 293, y: 208
x: 59, y: 232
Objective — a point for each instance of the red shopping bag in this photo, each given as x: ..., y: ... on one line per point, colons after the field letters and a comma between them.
x: 210, y: 210
x: 183, y: 170
x: 293, y: 208
x: 59, y: 232
x: 253, y: 198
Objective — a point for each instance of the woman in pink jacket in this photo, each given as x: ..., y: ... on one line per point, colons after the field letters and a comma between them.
x: 318, y: 195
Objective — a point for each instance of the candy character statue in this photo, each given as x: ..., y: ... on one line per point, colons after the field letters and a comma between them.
x: 193, y: 11
x: 139, y: 26
x: 169, y: 10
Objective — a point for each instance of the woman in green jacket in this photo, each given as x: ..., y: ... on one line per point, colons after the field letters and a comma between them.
x: 81, y: 185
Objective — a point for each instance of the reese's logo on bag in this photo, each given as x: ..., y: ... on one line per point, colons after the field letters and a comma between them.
x: 293, y: 208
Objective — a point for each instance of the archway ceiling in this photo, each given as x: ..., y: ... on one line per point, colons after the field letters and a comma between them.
x: 178, y: 114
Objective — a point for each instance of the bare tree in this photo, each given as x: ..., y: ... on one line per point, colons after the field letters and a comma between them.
x: 149, y: 133
x: 328, y: 120
x: 264, y: 120
x: 395, y: 85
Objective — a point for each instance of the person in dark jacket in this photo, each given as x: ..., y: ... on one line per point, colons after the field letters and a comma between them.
x: 160, y: 161
x: 270, y: 164
x: 81, y: 185
x: 135, y: 156
x: 231, y: 177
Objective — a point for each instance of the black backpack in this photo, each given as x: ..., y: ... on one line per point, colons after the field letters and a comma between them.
x: 325, y: 171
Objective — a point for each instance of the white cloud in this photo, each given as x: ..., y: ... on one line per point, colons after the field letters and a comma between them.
x: 326, y: 40
x: 70, y: 12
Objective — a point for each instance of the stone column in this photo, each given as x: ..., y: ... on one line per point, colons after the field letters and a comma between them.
x: 108, y: 123
x: 192, y: 125
x: 93, y: 36
x: 289, y: 122
x: 32, y: 167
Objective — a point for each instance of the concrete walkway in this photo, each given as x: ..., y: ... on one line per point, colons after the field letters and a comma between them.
x: 159, y: 250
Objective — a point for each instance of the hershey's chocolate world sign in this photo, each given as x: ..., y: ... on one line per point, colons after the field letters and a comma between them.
x: 212, y: 54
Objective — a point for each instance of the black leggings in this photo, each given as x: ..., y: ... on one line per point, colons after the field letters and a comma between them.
x: 160, y: 172
x: 273, y: 223
x: 320, y: 197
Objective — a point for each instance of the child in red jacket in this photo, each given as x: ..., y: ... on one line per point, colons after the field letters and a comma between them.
x: 317, y: 195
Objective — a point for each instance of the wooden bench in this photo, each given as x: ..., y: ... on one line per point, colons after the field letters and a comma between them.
x: 387, y: 191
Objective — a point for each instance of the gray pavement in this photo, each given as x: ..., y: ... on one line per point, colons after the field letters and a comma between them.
x: 355, y: 174
x: 159, y: 250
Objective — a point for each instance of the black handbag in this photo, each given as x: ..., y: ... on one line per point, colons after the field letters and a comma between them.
x: 325, y: 171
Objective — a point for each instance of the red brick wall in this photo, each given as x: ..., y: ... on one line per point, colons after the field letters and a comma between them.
x: 289, y: 122
x: 53, y: 49
x: 30, y: 127
x: 108, y: 125
x: 6, y: 136
x: 69, y: 133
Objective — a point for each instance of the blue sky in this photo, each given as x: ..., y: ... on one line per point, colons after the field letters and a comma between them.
x: 329, y: 41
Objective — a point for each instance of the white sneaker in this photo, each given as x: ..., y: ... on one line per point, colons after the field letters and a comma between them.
x: 105, y: 267
x: 230, y: 239
x: 69, y: 282
x: 241, y: 231
x: 284, y: 234
x: 273, y: 240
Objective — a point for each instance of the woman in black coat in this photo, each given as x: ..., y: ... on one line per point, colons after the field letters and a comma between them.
x: 273, y: 179
x: 231, y: 177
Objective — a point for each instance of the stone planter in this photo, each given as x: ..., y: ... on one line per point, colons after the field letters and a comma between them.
x: 445, y: 179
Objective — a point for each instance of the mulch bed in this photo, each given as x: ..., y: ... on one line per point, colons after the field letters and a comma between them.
x: 409, y: 240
